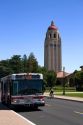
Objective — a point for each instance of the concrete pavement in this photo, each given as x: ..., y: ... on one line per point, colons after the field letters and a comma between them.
x: 10, y: 117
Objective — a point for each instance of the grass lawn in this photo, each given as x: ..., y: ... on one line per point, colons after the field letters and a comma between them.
x: 72, y: 94
x: 75, y: 94
x: 69, y: 91
x: 60, y: 89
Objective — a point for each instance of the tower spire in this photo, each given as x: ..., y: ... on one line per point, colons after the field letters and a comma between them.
x: 52, y: 26
x: 52, y: 23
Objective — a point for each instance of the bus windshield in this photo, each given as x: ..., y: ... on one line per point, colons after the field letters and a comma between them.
x: 26, y: 87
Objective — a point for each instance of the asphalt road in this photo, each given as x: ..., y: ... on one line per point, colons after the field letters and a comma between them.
x: 56, y: 112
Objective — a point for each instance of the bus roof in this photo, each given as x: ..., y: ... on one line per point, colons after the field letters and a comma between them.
x: 23, y: 76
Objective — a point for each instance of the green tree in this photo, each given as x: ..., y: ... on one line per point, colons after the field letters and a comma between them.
x: 79, y: 80
x: 44, y: 71
x: 4, y: 63
x: 16, y: 64
x: 24, y: 63
x: 5, y: 68
x: 51, y: 79
x: 5, y: 71
x: 32, y: 64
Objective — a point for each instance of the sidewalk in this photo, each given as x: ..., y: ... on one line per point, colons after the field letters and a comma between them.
x: 9, y: 117
x: 78, y: 99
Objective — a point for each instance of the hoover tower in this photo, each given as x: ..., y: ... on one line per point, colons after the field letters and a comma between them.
x: 52, y: 49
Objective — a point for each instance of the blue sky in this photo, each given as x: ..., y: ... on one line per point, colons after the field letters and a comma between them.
x: 23, y: 26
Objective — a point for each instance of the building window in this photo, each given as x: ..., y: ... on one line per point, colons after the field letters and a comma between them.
x: 51, y: 45
x: 58, y: 36
x: 49, y: 35
x: 54, y: 45
x: 54, y: 35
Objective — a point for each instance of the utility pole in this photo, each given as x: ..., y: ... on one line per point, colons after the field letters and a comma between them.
x: 63, y: 80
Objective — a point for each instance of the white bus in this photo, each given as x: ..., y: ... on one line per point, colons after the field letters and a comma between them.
x: 23, y: 89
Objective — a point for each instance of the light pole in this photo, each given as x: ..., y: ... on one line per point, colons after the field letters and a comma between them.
x: 63, y: 80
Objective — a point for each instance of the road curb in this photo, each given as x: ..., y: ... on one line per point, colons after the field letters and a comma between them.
x: 68, y: 99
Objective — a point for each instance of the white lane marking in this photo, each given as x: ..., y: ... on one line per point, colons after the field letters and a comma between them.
x: 31, y: 123
x: 47, y: 105
x: 81, y: 113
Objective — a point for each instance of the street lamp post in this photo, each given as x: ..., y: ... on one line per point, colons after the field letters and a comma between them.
x: 63, y: 80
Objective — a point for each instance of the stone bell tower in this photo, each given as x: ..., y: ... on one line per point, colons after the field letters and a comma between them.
x: 52, y: 49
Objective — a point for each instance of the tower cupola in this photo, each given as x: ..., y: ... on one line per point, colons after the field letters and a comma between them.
x: 52, y: 26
